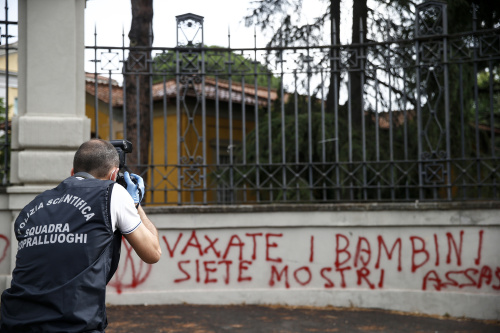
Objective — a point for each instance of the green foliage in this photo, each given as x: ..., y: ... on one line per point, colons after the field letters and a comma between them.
x: 488, y: 87
x: 218, y: 62
x: 487, y: 108
x: 286, y: 157
x: 4, y: 146
x: 315, y: 170
x: 2, y: 110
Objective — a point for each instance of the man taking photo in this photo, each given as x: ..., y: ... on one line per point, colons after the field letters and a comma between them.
x: 69, y: 241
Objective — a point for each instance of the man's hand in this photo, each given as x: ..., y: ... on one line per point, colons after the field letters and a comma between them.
x: 135, y: 187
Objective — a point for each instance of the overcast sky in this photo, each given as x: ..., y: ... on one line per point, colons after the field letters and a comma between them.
x: 111, y: 17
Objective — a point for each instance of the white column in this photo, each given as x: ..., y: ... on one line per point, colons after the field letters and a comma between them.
x: 51, y: 122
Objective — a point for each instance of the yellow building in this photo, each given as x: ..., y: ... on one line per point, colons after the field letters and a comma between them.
x: 8, y: 57
x: 177, y: 168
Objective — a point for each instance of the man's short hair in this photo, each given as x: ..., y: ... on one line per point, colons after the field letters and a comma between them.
x: 96, y: 157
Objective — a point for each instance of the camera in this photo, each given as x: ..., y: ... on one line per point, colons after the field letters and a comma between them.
x: 123, y: 147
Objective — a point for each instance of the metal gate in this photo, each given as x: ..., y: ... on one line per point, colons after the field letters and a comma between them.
x: 8, y: 88
x: 287, y: 125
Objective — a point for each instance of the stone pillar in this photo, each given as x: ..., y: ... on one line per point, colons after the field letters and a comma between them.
x: 51, y: 121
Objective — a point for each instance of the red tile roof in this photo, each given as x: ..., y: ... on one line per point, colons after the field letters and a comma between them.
x: 398, y: 118
x: 168, y: 89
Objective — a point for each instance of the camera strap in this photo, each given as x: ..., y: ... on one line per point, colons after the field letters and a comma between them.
x: 84, y: 175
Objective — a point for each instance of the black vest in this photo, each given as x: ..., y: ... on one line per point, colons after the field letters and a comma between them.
x: 67, y: 253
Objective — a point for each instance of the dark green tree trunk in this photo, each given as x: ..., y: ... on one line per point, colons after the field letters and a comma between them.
x: 138, y: 84
x: 359, y: 18
x: 333, y: 94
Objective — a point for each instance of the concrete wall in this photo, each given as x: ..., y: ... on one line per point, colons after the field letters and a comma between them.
x: 5, y: 241
x: 434, y: 259
x: 425, y: 258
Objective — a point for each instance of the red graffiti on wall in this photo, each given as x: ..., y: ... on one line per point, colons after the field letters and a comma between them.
x: 356, y: 261
x: 131, y: 272
x: 5, y: 247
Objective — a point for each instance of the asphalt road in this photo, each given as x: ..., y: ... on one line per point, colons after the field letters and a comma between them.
x: 253, y: 319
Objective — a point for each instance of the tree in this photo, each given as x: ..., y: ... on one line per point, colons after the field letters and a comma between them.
x: 5, y: 139
x: 400, y: 26
x: 243, y: 68
x: 316, y: 182
x: 137, y: 83
x: 286, y: 13
x: 359, y: 28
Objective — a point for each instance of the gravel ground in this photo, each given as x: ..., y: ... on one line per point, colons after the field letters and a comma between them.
x: 254, y: 318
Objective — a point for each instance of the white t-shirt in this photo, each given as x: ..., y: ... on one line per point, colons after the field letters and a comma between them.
x: 124, y: 215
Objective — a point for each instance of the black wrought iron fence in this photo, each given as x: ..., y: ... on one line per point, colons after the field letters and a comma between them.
x: 397, y: 120
x: 8, y: 87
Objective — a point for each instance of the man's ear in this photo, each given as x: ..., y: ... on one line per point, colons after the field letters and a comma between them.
x: 113, y: 174
x: 72, y: 171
